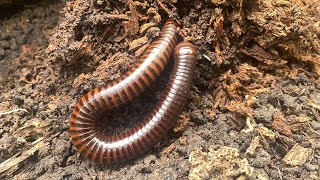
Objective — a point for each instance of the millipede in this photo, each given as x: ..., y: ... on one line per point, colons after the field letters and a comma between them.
x: 95, y: 144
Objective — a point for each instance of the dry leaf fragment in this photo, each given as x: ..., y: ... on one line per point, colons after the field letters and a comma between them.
x: 266, y: 133
x: 297, y: 155
x: 280, y: 125
x: 298, y: 123
x: 263, y: 56
x: 182, y: 124
x: 146, y: 26
x: 52, y: 107
x: 168, y: 150
x: 224, y: 163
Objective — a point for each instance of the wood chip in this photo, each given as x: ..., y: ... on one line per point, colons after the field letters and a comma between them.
x: 266, y: 133
x: 297, y: 156
x: 253, y: 145
x: 146, y: 26
x: 135, y: 44
x: 17, y: 159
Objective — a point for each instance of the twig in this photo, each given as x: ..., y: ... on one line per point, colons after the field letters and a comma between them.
x: 315, y: 114
x: 116, y: 16
x: 249, y: 126
x: 312, y: 130
x: 316, y: 106
x: 164, y: 8
x: 12, y: 111
x: 15, y: 160
x: 280, y: 174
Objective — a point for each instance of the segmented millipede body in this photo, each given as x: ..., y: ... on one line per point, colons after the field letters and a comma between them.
x: 85, y: 127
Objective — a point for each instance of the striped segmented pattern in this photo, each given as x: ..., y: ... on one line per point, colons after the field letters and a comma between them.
x: 94, y: 143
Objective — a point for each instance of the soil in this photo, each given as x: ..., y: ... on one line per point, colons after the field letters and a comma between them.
x: 253, y: 112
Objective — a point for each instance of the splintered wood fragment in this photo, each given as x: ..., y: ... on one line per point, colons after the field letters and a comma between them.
x: 15, y: 160
x: 117, y: 16
x: 316, y: 106
x: 146, y: 26
x: 253, y: 146
x: 164, y: 7
x: 317, y: 68
x: 297, y: 156
x: 263, y: 56
x: 141, y: 50
x: 131, y: 27
x: 135, y: 44
x: 169, y: 149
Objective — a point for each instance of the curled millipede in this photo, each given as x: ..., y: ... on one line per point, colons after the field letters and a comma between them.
x: 85, y: 129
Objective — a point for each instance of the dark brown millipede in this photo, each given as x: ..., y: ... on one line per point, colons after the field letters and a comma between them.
x: 94, y: 144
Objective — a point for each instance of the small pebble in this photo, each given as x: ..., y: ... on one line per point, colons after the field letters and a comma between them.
x: 149, y: 159
x: 4, y: 44
x: 13, y: 44
x: 183, y: 168
x: 274, y: 174
x: 315, y: 125
x: 4, y: 36
x: 310, y: 166
x: 197, y: 117
x: 2, y: 53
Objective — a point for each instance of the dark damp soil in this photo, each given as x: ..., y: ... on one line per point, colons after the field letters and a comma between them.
x: 253, y: 110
